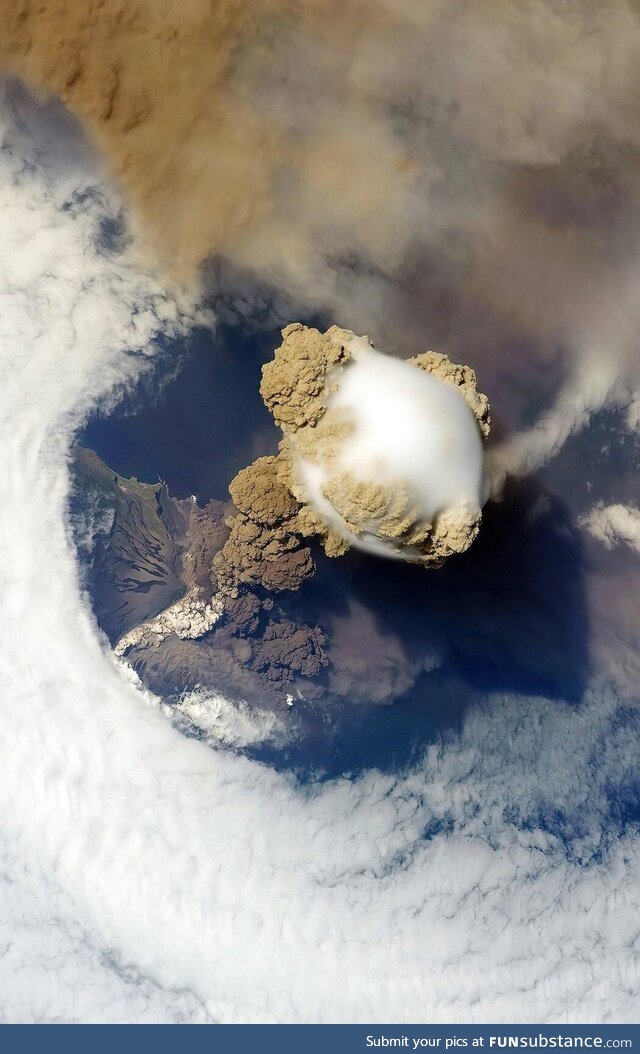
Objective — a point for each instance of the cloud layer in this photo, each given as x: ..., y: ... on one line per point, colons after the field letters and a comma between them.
x: 497, y: 880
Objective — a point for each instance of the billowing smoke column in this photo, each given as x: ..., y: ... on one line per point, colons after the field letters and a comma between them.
x: 381, y: 455
x: 377, y: 453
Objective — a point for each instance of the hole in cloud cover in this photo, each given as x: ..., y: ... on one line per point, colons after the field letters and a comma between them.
x: 203, y: 883
x: 509, y: 615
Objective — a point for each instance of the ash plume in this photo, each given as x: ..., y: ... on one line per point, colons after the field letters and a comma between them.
x: 463, y: 170
x: 292, y: 137
x: 372, y: 456
x: 377, y: 454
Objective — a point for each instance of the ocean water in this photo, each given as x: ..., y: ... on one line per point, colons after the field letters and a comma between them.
x: 196, y: 420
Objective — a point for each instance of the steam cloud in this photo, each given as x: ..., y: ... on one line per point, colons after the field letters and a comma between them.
x: 378, y: 457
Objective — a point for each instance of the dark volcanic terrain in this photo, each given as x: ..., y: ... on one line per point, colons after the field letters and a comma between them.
x: 142, y: 553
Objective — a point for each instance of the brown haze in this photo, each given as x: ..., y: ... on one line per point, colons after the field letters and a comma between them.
x: 332, y: 145
x: 445, y: 171
x: 234, y: 128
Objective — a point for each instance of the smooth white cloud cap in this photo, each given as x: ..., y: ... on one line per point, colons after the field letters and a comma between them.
x: 409, y: 427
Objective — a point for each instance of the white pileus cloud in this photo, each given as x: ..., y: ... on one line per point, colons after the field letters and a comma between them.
x: 489, y: 883
x: 411, y: 431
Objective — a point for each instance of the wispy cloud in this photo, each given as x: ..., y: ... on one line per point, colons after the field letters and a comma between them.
x: 614, y: 524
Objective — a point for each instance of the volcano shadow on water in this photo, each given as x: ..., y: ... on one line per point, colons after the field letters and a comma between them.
x: 509, y: 614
